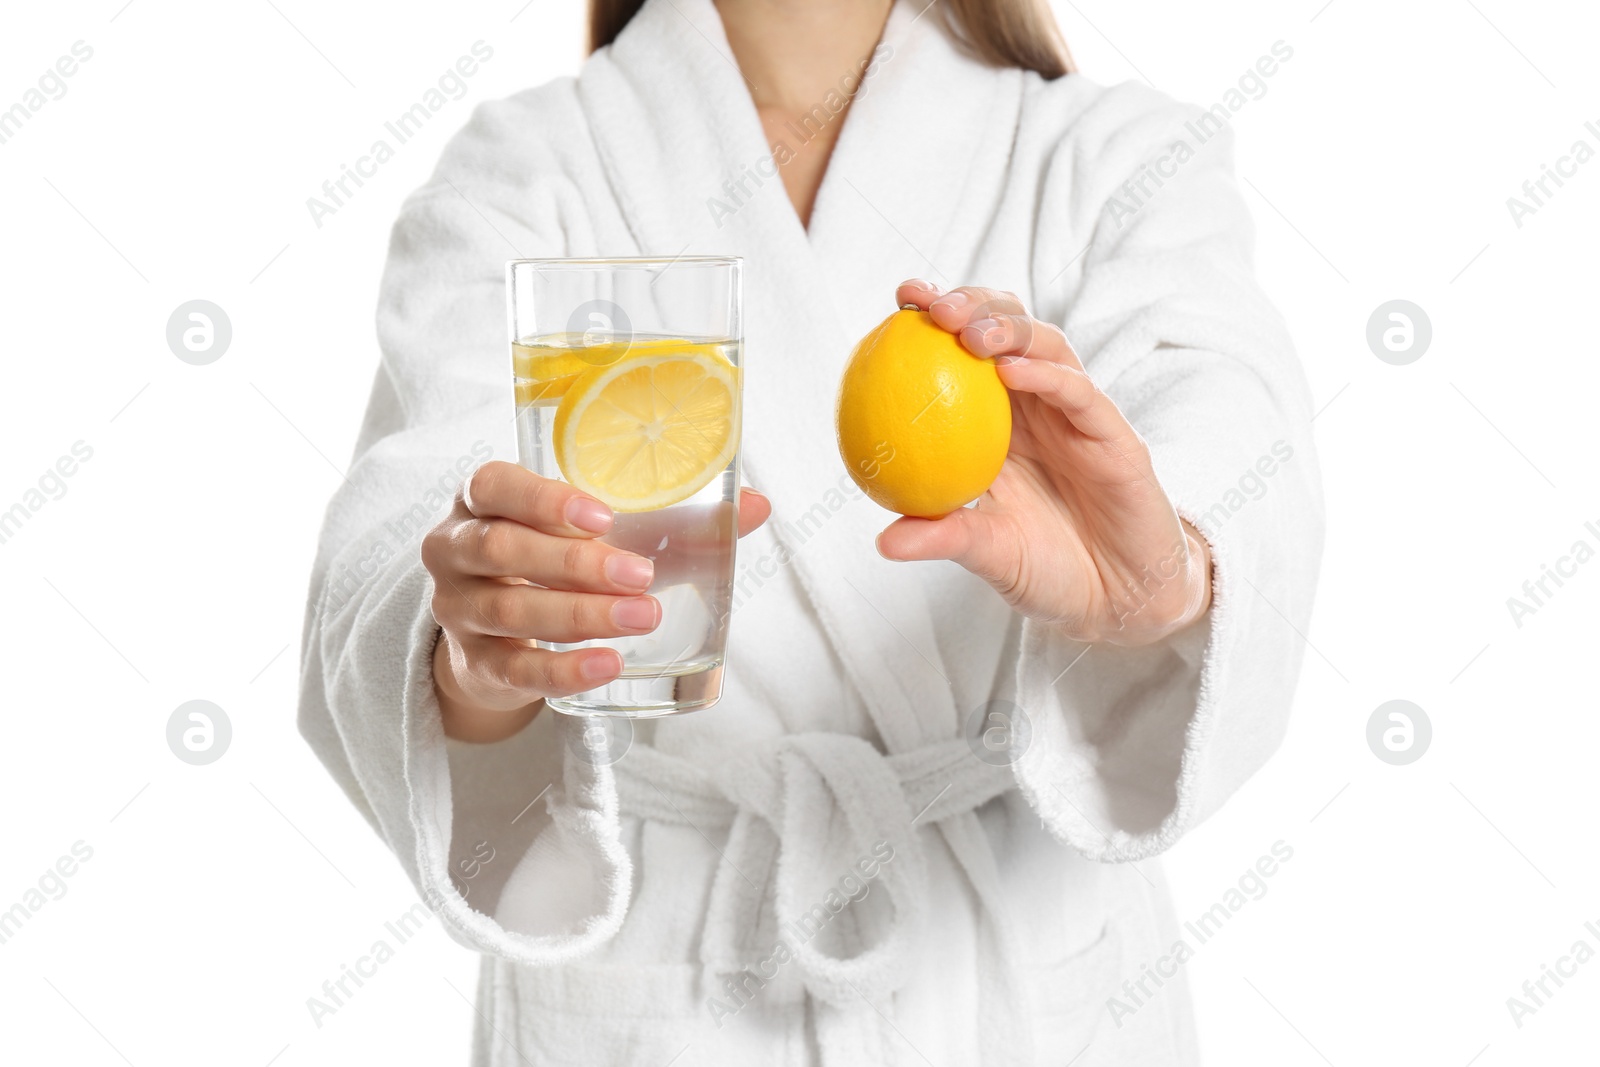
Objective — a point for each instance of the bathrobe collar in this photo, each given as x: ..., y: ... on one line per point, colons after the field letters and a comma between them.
x: 690, y: 163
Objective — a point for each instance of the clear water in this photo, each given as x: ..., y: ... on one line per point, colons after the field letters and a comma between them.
x: 678, y: 666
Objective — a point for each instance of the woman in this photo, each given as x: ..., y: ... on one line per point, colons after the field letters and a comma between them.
x: 832, y: 866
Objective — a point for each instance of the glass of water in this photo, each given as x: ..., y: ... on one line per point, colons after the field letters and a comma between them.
x: 628, y: 378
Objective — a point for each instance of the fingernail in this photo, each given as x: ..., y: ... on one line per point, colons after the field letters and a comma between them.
x: 640, y: 613
x: 923, y: 283
x: 630, y: 572
x: 955, y: 299
x: 983, y: 333
x: 598, y: 666
x: 588, y: 514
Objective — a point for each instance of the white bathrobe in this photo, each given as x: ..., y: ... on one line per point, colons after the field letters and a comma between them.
x: 820, y: 870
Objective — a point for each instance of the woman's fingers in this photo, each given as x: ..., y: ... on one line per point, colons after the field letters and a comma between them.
x: 527, y: 612
x: 954, y: 309
x: 1070, y: 391
x: 958, y: 308
x: 500, y: 490
x: 754, y: 509
x: 990, y: 322
x: 1035, y: 357
x: 533, y: 673
x: 966, y: 536
x: 501, y: 548
x: 1030, y: 356
x: 908, y: 539
x: 918, y: 292
x: 999, y: 334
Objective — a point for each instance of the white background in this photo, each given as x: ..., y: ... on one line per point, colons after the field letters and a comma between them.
x: 219, y: 898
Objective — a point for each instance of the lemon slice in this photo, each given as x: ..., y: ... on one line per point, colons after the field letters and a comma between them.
x: 651, y: 429
x: 546, y: 368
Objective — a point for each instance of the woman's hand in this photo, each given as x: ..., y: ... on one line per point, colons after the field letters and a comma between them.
x: 518, y: 560
x: 1075, y: 531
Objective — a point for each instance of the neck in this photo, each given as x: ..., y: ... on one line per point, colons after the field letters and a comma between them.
x: 802, y: 60
x: 792, y: 53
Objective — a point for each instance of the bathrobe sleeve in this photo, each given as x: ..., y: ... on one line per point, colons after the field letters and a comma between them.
x: 459, y: 817
x: 1131, y: 747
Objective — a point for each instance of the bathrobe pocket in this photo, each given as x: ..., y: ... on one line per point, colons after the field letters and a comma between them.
x: 627, y: 1014
x: 599, y: 1014
x: 1069, y: 1000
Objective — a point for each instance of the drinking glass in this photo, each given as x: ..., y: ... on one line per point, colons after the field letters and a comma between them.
x: 628, y: 380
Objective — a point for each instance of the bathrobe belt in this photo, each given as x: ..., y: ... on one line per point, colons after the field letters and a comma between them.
x: 795, y: 809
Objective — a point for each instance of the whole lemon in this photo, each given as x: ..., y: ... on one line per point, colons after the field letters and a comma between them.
x: 924, y: 425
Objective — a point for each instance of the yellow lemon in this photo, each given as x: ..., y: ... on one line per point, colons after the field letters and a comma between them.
x: 924, y: 425
x: 650, y: 428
